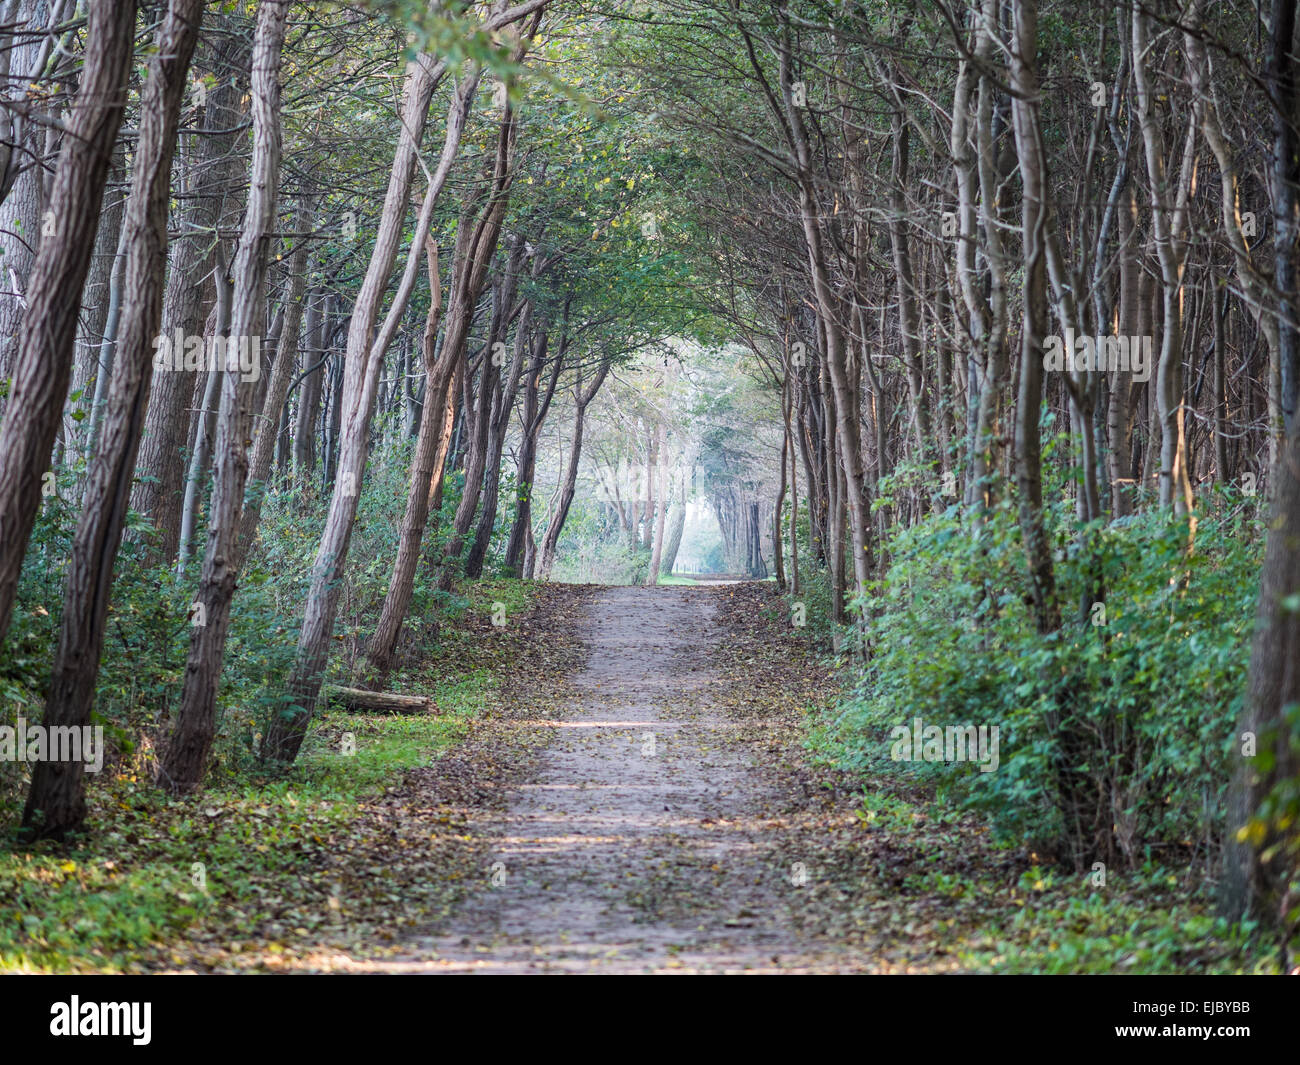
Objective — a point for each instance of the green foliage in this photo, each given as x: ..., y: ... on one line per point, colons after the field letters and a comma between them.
x: 1138, y: 701
x: 148, y: 632
x: 121, y: 894
x: 1153, y: 921
x: 592, y: 551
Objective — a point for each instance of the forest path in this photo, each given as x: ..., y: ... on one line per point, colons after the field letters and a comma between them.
x: 654, y: 831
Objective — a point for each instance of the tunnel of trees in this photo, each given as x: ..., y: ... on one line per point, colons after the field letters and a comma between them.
x: 973, y: 323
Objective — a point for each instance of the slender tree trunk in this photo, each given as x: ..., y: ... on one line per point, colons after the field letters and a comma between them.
x: 206, y: 427
x: 1119, y: 415
x: 1169, y: 210
x: 582, y: 400
x: 56, y: 803
x: 504, y: 405
x: 1029, y: 474
x: 1260, y: 851
x: 777, y: 533
x: 657, y: 553
x: 211, y: 172
x: 185, y: 759
x: 383, y: 642
x: 304, y: 426
x: 277, y: 388
x: 469, y: 282
x: 676, y: 526
x: 365, y: 350
x: 535, y: 412
x: 44, y: 352
x: 95, y: 303
x: 20, y: 205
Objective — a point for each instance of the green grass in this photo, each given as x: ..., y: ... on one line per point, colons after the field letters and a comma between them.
x: 132, y: 884
x: 1153, y: 919
x: 1150, y: 921
x: 252, y: 857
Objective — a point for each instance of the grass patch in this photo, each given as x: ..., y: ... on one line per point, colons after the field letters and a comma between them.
x: 256, y: 863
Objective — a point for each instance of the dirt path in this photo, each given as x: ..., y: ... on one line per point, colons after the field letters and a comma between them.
x: 638, y: 795
x: 649, y: 837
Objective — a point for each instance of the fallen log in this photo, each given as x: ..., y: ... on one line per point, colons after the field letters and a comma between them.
x: 358, y: 700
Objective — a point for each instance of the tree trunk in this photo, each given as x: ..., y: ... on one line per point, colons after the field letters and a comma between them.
x: 365, y: 351
x: 185, y: 759
x: 95, y: 300
x: 383, y: 641
x: 1029, y: 473
x: 277, y: 388
x: 360, y: 701
x: 20, y: 210
x: 1260, y: 845
x: 206, y: 422
x: 211, y: 171
x: 44, y: 352
x: 304, y: 426
x: 504, y: 405
x: 56, y: 803
x: 582, y: 400
x: 673, y: 543
x: 535, y: 411
x: 657, y: 554
x: 1168, y: 217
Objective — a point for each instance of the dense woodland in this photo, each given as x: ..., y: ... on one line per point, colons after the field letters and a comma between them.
x: 974, y: 325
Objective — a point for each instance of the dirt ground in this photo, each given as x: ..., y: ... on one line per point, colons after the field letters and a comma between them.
x: 653, y: 832
x: 639, y: 796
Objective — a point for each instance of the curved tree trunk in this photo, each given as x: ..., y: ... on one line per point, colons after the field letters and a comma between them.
x: 673, y: 542
x: 582, y: 400
x: 379, y: 651
x: 365, y: 351
x: 56, y: 803
x: 44, y: 354
x: 185, y: 759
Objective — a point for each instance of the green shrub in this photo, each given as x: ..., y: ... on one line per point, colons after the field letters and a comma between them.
x: 1134, y: 699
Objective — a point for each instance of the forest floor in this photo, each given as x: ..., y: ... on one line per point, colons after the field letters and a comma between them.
x: 616, y: 780
x: 667, y: 824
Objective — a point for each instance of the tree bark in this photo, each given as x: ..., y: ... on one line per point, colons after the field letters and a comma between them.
x: 1029, y: 474
x: 286, y: 729
x: 44, y: 353
x: 657, y: 553
x: 358, y: 700
x: 1168, y: 220
x: 277, y: 388
x: 185, y: 759
x: 210, y: 175
x: 535, y: 411
x: 56, y: 803
x: 304, y: 426
x: 379, y: 651
x: 582, y: 400
x: 1260, y: 845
